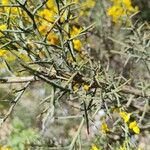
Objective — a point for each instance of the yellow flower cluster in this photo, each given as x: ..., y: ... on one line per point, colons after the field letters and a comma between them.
x: 75, y: 31
x: 2, y: 52
x: 125, y: 116
x: 132, y: 124
x: 86, y: 87
x: 77, y: 86
x: 76, y: 42
x: 47, y: 16
x: 4, y: 2
x: 12, y: 11
x: 121, y: 9
x: 104, y: 127
x: 5, y: 148
x: 122, y: 148
x: 2, y: 28
x: 77, y: 45
x: 94, y: 147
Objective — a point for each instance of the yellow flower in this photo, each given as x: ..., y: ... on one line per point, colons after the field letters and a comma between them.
x: 48, y: 15
x: 125, y: 116
x: 104, y: 127
x: 77, y: 45
x: 51, y: 5
x: 53, y: 38
x: 127, y: 3
x: 86, y: 87
x: 76, y: 87
x: 2, y: 27
x: 115, y: 11
x: 133, y: 125
x: 5, y: 2
x: 120, y: 9
x: 129, y: 7
x: 94, y: 147
x: 122, y: 148
x: 3, y: 52
x: 43, y: 29
x: 5, y: 148
x: 13, y: 11
x: 75, y: 31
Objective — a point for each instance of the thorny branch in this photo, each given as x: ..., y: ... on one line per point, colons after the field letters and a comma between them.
x: 125, y: 89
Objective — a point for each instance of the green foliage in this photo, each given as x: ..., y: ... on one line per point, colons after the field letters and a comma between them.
x: 21, y: 137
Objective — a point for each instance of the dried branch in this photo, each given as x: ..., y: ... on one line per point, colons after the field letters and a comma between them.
x: 125, y: 88
x: 14, y: 102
